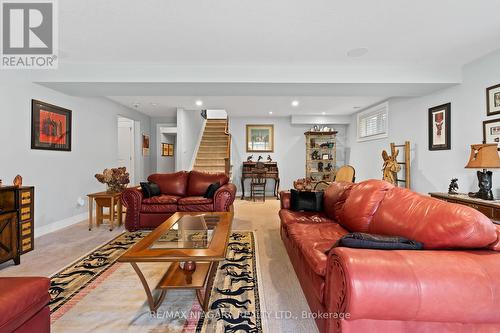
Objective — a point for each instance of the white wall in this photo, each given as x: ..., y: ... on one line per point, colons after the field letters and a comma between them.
x: 156, y: 124
x: 289, y: 148
x: 189, y: 127
x: 61, y: 178
x: 432, y: 170
x: 166, y: 164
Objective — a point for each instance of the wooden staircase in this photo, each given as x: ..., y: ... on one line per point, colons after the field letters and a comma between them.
x: 214, y: 152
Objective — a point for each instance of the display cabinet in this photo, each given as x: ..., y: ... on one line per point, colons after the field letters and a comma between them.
x: 321, y: 155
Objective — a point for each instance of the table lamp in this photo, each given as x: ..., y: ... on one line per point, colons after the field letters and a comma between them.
x: 484, y: 156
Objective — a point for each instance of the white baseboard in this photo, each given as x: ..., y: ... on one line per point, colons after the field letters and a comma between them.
x: 46, y: 229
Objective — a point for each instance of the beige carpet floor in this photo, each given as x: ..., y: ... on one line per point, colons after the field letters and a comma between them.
x: 284, y: 301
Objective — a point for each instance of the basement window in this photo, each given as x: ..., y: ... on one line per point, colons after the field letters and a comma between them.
x: 373, y: 123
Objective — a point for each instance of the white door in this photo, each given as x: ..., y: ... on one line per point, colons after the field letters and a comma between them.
x: 126, y: 146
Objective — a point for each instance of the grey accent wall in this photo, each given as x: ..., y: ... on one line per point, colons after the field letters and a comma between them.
x: 432, y: 170
x: 61, y: 178
x: 289, y: 148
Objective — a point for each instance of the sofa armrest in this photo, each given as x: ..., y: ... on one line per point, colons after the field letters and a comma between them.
x: 437, y: 286
x: 132, y: 199
x: 285, y: 199
x: 224, y: 198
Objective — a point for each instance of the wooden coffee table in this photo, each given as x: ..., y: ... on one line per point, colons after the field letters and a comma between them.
x: 187, y: 240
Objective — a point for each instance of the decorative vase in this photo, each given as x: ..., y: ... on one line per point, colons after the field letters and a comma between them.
x: 189, y: 266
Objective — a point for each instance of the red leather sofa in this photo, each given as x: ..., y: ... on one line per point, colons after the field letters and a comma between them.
x: 180, y: 192
x: 24, y: 305
x: 453, y: 285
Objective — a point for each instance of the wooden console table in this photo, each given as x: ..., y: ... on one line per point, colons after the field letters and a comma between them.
x: 490, y: 208
x: 271, y: 173
x: 112, y: 201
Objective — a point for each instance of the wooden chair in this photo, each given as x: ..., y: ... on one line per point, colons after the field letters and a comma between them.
x: 258, y: 183
x: 345, y: 173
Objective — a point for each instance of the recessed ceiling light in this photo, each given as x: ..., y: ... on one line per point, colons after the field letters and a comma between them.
x: 357, y: 52
x: 199, y: 103
x: 136, y: 104
x: 323, y: 113
x: 154, y: 104
x: 295, y: 103
x: 270, y: 112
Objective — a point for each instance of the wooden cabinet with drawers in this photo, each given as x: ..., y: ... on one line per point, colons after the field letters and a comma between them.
x: 26, y: 200
x: 490, y: 208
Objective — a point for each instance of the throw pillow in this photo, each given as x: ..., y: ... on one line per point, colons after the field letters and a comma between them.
x: 150, y: 189
x: 306, y: 201
x: 360, y: 240
x: 212, y: 188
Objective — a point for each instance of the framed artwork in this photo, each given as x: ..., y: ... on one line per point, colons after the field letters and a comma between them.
x: 260, y: 138
x: 167, y: 149
x: 325, y: 156
x: 50, y: 127
x: 493, y: 100
x: 145, y: 144
x: 440, y: 127
x: 491, y: 131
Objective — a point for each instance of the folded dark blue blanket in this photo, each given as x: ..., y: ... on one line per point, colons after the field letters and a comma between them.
x: 362, y: 240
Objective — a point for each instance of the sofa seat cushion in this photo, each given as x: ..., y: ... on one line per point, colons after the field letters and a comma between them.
x: 314, y: 241
x: 161, y: 199
x: 159, y: 208
x: 290, y: 217
x: 20, y: 299
x: 196, y: 208
x: 197, y: 200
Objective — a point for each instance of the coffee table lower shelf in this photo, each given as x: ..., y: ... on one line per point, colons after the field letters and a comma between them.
x: 177, y: 278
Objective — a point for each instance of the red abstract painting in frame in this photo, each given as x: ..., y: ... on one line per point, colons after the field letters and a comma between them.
x: 50, y: 127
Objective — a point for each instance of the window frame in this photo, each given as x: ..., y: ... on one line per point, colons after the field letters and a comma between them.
x: 384, y: 107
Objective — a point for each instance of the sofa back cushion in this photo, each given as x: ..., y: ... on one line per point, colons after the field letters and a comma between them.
x: 437, y: 224
x: 199, y: 182
x: 361, y: 204
x: 171, y: 183
x: 334, y: 198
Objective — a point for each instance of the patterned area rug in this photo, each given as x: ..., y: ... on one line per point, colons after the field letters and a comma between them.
x: 98, y: 294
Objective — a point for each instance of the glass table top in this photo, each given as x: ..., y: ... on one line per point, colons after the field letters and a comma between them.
x: 188, y: 232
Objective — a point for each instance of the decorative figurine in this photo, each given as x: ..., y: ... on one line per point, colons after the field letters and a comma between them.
x: 269, y: 159
x: 329, y: 167
x: 18, y: 181
x: 485, y: 192
x: 0, y: 182
x: 320, y: 166
x: 260, y: 157
x: 249, y: 158
x: 452, y: 189
x: 315, y: 155
x: 391, y: 167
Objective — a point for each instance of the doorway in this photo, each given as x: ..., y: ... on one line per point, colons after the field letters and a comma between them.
x: 126, y: 146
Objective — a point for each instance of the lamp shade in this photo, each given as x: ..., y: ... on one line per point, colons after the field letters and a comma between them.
x: 484, y: 156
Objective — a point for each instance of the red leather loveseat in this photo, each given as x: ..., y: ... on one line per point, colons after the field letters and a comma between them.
x: 24, y: 305
x: 453, y: 285
x: 180, y: 192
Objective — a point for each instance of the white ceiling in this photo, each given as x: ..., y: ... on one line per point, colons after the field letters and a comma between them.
x: 250, y: 57
x: 277, y: 32
x: 248, y: 106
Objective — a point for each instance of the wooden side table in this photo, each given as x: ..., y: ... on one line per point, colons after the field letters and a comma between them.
x: 109, y: 200
x: 490, y: 208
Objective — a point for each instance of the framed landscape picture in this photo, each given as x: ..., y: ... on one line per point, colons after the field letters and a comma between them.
x: 493, y: 100
x: 440, y: 127
x: 260, y: 138
x: 145, y: 144
x: 50, y: 127
x: 491, y: 131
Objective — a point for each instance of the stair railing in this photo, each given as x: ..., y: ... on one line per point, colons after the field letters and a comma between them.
x: 227, y: 159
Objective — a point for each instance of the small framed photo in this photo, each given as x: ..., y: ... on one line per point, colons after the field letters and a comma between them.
x: 493, y: 100
x: 145, y: 144
x: 491, y: 131
x: 325, y: 156
x: 440, y: 127
x: 50, y: 127
x: 167, y: 149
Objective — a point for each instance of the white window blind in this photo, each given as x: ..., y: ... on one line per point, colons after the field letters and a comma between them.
x: 373, y: 123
